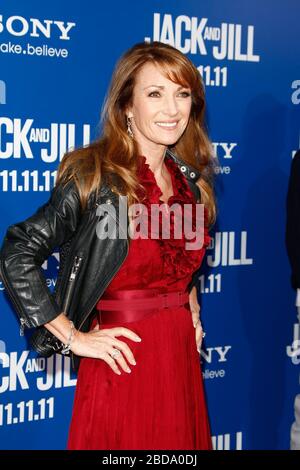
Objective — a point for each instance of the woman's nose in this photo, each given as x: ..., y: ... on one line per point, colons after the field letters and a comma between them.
x: 170, y: 106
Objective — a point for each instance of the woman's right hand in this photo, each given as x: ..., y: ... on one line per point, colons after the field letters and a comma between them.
x: 101, y: 343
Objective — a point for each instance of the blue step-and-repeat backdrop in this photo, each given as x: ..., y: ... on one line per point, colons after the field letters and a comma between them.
x: 56, y: 60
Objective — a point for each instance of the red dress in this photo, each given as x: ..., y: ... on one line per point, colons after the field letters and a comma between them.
x: 161, y: 403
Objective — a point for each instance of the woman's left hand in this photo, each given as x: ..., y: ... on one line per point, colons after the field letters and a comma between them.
x: 195, y: 312
x: 199, y: 335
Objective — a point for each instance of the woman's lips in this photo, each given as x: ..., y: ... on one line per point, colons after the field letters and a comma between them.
x: 167, y: 125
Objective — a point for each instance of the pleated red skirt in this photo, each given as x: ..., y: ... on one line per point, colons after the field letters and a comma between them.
x: 159, y: 405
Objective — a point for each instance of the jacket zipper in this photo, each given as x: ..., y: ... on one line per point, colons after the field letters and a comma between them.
x: 70, y: 287
x: 23, y: 321
x: 71, y: 283
x: 22, y: 325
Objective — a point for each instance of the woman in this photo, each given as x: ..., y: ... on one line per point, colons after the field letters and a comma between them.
x: 139, y: 383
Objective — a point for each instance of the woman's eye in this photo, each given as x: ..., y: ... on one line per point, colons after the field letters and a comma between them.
x: 185, y: 93
x: 150, y: 94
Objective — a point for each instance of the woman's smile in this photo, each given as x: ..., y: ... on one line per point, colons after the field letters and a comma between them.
x: 169, y: 126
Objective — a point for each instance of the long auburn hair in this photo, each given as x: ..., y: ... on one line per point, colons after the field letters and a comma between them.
x: 113, y: 155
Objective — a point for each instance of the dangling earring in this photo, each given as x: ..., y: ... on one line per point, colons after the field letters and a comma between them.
x: 129, y: 128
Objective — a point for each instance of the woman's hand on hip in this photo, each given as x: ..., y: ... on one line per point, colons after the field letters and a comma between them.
x: 103, y: 344
x: 199, y: 335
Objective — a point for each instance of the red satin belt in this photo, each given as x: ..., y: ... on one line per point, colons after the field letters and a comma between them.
x: 134, y: 304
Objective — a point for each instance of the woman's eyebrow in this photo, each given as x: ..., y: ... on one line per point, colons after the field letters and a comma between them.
x: 161, y: 86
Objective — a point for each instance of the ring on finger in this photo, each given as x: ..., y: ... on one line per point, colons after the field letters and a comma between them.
x: 115, y: 353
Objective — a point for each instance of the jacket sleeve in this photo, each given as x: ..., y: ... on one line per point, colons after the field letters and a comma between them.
x: 206, y: 241
x: 292, y: 234
x: 197, y: 195
x: 194, y: 281
x: 28, y: 244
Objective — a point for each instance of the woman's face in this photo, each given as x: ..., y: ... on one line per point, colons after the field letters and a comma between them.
x: 160, y: 110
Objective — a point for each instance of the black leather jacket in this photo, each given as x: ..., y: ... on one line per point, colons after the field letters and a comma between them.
x: 87, y: 262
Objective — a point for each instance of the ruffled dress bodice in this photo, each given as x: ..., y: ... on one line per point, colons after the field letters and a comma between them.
x: 152, y: 260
